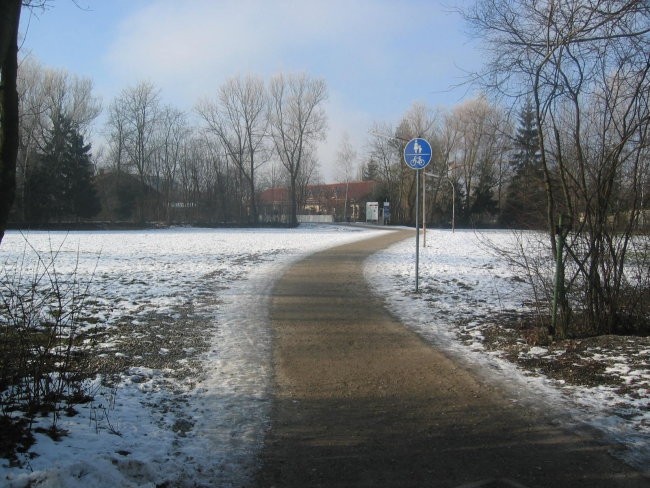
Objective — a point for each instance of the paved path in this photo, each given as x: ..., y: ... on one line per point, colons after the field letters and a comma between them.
x: 362, y: 401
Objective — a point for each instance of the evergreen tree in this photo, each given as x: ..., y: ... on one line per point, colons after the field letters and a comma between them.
x: 484, y: 204
x: 370, y: 171
x: 61, y: 186
x: 526, y: 141
x: 525, y: 202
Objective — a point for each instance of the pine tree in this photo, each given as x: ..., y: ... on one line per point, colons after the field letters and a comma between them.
x: 370, y: 171
x: 526, y: 196
x: 61, y: 186
x: 526, y: 141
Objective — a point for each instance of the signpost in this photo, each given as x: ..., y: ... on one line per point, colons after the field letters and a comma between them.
x: 417, y: 155
x: 386, y: 213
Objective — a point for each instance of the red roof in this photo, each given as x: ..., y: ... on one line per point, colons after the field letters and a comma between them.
x: 274, y: 195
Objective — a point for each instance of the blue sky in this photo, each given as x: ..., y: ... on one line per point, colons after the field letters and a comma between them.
x: 378, y: 57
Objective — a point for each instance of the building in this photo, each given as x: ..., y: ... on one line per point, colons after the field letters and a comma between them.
x: 328, y: 201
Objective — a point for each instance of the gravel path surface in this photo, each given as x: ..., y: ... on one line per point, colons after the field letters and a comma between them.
x: 360, y: 400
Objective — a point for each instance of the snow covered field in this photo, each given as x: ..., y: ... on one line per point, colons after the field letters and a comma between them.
x: 205, y: 427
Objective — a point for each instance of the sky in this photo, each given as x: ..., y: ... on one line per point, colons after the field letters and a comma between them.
x: 378, y: 57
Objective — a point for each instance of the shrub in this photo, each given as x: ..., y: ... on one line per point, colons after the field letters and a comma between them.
x: 42, y: 355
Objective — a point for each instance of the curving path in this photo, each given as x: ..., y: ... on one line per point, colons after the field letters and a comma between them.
x: 362, y: 401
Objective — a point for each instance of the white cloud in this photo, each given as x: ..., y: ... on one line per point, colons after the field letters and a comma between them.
x: 203, y: 42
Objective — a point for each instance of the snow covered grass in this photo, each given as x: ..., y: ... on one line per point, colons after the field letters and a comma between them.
x: 181, y: 315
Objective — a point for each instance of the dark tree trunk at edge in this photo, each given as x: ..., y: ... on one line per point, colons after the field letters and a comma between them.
x: 9, y: 19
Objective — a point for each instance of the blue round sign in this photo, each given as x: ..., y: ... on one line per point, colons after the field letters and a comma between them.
x: 417, y: 153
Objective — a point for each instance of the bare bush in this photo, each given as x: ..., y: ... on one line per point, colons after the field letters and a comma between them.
x: 586, y: 67
x: 42, y: 354
x: 530, y: 257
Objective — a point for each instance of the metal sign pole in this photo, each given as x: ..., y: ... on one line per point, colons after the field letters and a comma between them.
x: 417, y: 231
x: 424, y: 209
x: 417, y: 155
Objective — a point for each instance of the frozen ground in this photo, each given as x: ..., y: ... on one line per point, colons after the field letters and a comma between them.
x: 182, y: 317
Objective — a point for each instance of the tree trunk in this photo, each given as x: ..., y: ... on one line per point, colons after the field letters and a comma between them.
x: 294, y: 202
x: 254, y: 216
x: 9, y: 19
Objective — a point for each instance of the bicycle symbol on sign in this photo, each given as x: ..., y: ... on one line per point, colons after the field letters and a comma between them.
x: 418, y: 161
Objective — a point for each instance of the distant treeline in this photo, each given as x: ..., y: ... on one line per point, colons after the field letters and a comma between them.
x: 156, y: 163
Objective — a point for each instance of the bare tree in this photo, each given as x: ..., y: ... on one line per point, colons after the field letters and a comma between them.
x: 298, y: 120
x: 134, y: 119
x: 116, y: 135
x: 173, y: 132
x: 221, y: 183
x: 418, y: 121
x: 386, y: 153
x: 196, y: 179
x: 32, y: 110
x: 117, y: 162
x: 587, y: 68
x: 307, y: 175
x: 69, y: 96
x: 346, y: 162
x: 240, y: 120
x: 474, y: 147
x: 176, y: 133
